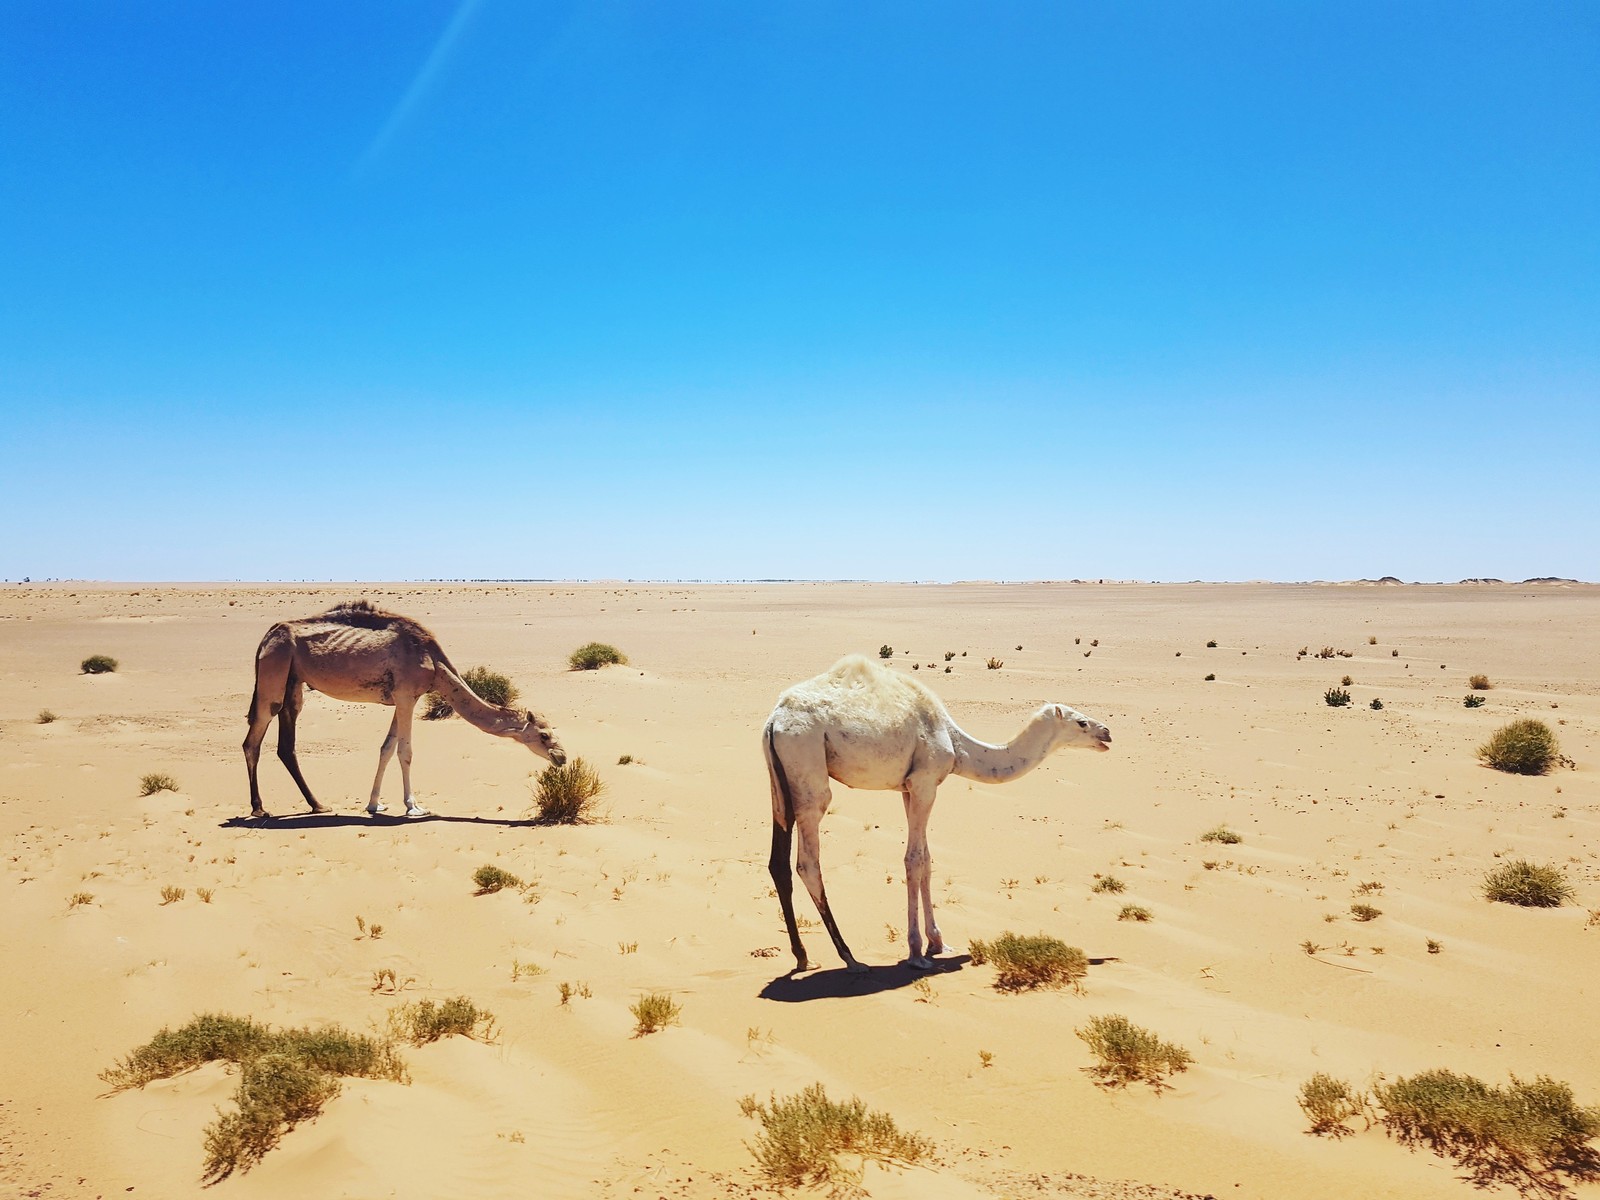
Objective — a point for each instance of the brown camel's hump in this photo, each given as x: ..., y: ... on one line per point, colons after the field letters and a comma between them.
x: 363, y: 614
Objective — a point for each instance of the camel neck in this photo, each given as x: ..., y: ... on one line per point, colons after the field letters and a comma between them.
x: 1001, y: 764
x: 468, y: 705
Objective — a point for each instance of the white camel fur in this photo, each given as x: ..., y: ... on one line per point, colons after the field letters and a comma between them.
x: 870, y: 727
x: 357, y: 652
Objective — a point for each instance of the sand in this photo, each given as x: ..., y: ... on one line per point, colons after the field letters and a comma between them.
x: 671, y: 893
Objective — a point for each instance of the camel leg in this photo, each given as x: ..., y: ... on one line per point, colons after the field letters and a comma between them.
x: 261, y: 714
x: 385, y: 752
x: 783, y: 882
x: 809, y: 867
x: 919, y: 871
x: 404, y: 710
x: 294, y: 699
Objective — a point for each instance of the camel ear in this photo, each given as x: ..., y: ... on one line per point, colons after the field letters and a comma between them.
x: 1060, y: 716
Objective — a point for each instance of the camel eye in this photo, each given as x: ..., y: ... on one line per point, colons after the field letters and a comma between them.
x: 1083, y: 724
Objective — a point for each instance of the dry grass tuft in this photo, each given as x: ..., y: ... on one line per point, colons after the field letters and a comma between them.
x: 653, y: 1011
x: 1125, y: 1053
x: 98, y: 664
x: 1328, y: 1103
x: 1527, y: 884
x: 591, y: 656
x: 155, y: 782
x: 802, y: 1137
x: 569, y: 794
x: 1025, y: 963
x: 1524, y: 747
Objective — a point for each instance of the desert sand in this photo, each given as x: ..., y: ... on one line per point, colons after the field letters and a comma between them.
x: 671, y: 892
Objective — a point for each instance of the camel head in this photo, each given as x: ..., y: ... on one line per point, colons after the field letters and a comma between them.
x: 535, y: 733
x: 1075, y: 730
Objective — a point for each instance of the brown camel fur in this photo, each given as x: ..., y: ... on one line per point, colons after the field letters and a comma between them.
x: 357, y: 652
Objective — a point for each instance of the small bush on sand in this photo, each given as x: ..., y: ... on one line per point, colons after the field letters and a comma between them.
x: 1525, y: 747
x: 171, y: 894
x: 1125, y: 1053
x: 1472, y: 701
x: 157, y: 782
x: 98, y: 664
x: 423, y: 1021
x: 1024, y: 963
x: 886, y: 651
x: 285, y: 1077
x: 486, y: 684
x: 491, y: 878
x: 1222, y: 834
x: 1328, y: 1103
x: 46, y: 717
x: 802, y: 1137
x: 1522, y: 1134
x: 569, y: 794
x: 949, y: 654
x: 79, y: 899
x: 1108, y: 885
x: 1134, y: 912
x: 1336, y: 697
x: 994, y: 664
x: 1479, y: 683
x: 1365, y: 912
x: 1346, y: 681
x: 653, y: 1011
x: 1376, y: 705
x: 591, y: 656
x: 1530, y: 885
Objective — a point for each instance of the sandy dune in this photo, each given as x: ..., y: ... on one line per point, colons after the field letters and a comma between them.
x: 672, y: 892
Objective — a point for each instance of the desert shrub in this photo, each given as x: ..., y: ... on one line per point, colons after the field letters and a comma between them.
x: 568, y: 794
x: 285, y: 1077
x: 1346, y: 681
x: 171, y: 894
x: 1394, y: 654
x: 1336, y: 697
x: 1376, y: 705
x: 803, y: 1135
x: 423, y: 1021
x: 98, y: 664
x: 1372, y: 639
x: 1210, y: 677
x: 1125, y: 1053
x: 1479, y: 683
x: 1134, y: 912
x: 591, y: 656
x: 77, y: 899
x: 1222, y: 834
x: 491, y: 878
x: 1326, y: 652
x: 1025, y: 963
x: 949, y: 654
x: 1521, y: 1134
x: 1108, y: 884
x: 1530, y: 885
x: 1328, y: 1103
x: 46, y: 717
x: 624, y: 760
x: 1525, y: 747
x: 1472, y: 701
x: 1365, y: 912
x: 653, y: 1011
x: 486, y: 684
x: 1212, y: 644
x: 994, y: 664
x: 157, y: 782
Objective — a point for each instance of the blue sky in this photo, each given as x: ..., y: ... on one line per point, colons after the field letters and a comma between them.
x: 898, y: 291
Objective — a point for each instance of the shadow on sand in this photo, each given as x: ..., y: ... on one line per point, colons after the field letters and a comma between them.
x: 839, y: 983
x: 311, y: 820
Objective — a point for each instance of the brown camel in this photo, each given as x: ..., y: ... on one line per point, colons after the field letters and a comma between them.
x: 357, y: 652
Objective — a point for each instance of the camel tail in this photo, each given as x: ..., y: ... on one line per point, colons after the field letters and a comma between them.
x: 782, y: 798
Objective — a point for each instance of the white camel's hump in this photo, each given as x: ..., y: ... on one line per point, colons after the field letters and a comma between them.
x: 857, y: 692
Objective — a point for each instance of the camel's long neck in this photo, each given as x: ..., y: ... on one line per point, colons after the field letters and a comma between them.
x: 468, y: 704
x: 1001, y: 764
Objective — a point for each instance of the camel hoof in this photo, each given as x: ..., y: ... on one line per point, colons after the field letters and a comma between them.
x: 374, y: 809
x: 922, y: 964
x: 257, y: 814
x: 319, y: 808
x: 418, y: 811
x: 857, y: 968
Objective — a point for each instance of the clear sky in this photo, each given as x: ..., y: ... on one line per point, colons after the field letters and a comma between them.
x: 871, y: 290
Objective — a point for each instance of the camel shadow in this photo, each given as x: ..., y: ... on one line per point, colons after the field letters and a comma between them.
x: 311, y: 820
x: 839, y: 984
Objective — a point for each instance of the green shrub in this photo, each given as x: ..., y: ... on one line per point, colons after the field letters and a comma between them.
x: 285, y: 1077
x: 1108, y: 885
x: 1525, y: 747
x: 1125, y: 1053
x: 1024, y: 963
x: 1211, y: 645
x: 423, y: 1021
x: 568, y: 794
x: 1376, y: 705
x: 1527, y: 884
x: 1222, y: 834
x: 803, y: 1135
x: 949, y: 654
x: 491, y: 878
x: 1472, y: 701
x: 885, y: 651
x: 1336, y: 697
x: 591, y: 656
x: 1328, y: 1103
x: 157, y: 782
x: 1521, y: 1134
x: 653, y: 1011
x: 486, y: 684
x: 98, y: 664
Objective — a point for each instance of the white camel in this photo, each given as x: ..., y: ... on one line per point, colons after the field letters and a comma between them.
x: 870, y: 727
